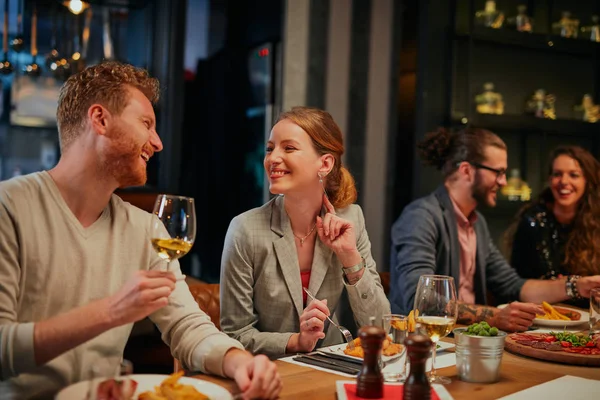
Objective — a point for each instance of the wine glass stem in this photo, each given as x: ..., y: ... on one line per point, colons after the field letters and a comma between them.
x: 432, y: 374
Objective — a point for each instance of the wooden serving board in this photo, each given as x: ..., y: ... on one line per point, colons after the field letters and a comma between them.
x: 562, y: 357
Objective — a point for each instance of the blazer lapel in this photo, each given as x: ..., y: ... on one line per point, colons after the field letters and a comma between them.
x: 286, y: 254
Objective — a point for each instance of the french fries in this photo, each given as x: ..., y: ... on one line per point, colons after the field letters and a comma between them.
x: 412, y: 320
x: 550, y: 313
x: 170, y: 389
x: 388, y: 348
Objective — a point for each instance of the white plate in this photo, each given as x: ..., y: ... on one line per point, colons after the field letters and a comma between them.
x: 148, y: 382
x: 441, y: 391
x: 339, y: 349
x: 585, y: 317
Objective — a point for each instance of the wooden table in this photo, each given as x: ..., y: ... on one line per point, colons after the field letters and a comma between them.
x: 517, y: 373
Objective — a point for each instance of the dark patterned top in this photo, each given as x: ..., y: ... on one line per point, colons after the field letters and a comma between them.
x: 538, y: 249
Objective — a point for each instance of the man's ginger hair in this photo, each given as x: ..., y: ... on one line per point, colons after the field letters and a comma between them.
x: 105, y: 84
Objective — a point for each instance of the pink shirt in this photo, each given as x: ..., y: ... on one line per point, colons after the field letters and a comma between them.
x: 467, y: 238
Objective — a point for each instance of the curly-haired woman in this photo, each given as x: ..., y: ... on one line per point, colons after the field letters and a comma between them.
x: 559, y: 234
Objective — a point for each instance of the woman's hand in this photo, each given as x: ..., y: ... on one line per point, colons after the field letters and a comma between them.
x: 337, y: 233
x: 312, y: 323
x: 585, y: 284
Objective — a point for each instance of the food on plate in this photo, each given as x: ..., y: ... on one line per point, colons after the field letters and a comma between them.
x: 112, y: 389
x: 170, y: 389
x: 570, y: 342
x: 412, y: 320
x: 388, y: 349
x: 558, y: 314
x: 481, y: 329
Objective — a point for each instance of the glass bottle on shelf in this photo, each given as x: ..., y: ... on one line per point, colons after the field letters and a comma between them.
x: 489, y: 102
x: 490, y: 17
x: 592, y: 31
x: 522, y: 22
x: 541, y: 105
x: 516, y: 189
x: 590, y: 112
x: 566, y: 26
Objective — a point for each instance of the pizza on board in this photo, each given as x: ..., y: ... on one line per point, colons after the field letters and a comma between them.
x: 560, y: 342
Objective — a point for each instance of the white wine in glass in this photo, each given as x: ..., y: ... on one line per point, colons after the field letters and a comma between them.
x: 174, y: 227
x: 437, y: 306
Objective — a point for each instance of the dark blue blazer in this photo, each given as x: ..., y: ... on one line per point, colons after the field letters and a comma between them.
x: 425, y: 241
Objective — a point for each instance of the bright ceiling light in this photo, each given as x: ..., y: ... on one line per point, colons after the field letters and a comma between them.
x: 76, y: 6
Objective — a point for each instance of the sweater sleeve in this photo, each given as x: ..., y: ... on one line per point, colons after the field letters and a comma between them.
x: 188, y: 331
x: 16, y: 339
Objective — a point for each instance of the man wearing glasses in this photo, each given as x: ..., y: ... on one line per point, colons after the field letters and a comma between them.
x: 443, y: 234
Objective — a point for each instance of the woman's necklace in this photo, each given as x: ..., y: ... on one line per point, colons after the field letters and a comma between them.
x: 302, y: 239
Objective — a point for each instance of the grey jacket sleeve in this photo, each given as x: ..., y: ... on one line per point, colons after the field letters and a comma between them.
x: 413, y: 254
x: 16, y: 339
x: 366, y: 297
x: 238, y: 316
x: 501, y: 279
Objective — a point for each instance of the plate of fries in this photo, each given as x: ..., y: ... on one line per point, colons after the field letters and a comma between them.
x: 157, y: 387
x: 558, y: 316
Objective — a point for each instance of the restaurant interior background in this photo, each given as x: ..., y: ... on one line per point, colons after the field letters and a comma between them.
x: 389, y: 71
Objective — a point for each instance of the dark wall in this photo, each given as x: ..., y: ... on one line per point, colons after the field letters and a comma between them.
x: 217, y: 134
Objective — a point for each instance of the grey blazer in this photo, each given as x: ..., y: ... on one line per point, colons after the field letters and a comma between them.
x: 261, y: 290
x: 425, y: 241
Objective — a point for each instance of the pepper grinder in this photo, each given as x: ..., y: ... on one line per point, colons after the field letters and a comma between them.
x: 369, y: 383
x: 416, y: 386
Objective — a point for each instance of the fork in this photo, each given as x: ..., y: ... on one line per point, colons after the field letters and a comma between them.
x: 342, y: 329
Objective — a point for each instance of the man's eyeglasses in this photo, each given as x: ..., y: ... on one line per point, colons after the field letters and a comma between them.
x: 499, y: 172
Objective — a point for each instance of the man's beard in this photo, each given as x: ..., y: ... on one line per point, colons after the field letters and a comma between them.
x: 122, y: 161
x: 481, y: 193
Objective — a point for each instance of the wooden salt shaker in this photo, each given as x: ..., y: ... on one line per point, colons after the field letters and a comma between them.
x: 369, y: 383
x: 416, y: 386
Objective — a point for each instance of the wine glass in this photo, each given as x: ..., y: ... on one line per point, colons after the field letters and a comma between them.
x: 437, y: 306
x: 594, y: 311
x: 174, y: 228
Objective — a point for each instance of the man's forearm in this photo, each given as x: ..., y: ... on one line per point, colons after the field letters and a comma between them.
x: 233, y: 359
x: 54, y: 336
x: 471, y: 313
x: 536, y: 291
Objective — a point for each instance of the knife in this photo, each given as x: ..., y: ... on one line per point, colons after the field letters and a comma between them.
x: 339, y: 357
x: 327, y: 364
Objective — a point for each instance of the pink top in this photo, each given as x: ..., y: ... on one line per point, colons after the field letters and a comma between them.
x: 305, y: 278
x: 467, y: 238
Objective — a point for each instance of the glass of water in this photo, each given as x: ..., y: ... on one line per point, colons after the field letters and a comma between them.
x: 396, y: 326
x: 595, y: 311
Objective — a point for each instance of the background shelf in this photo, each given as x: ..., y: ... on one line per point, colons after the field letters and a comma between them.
x: 534, y: 41
x: 528, y: 123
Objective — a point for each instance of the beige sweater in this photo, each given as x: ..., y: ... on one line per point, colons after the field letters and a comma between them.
x: 50, y: 264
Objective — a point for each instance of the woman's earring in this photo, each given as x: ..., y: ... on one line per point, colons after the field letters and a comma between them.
x: 320, y: 178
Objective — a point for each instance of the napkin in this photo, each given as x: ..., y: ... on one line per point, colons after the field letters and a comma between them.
x: 346, y: 390
x: 565, y: 387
